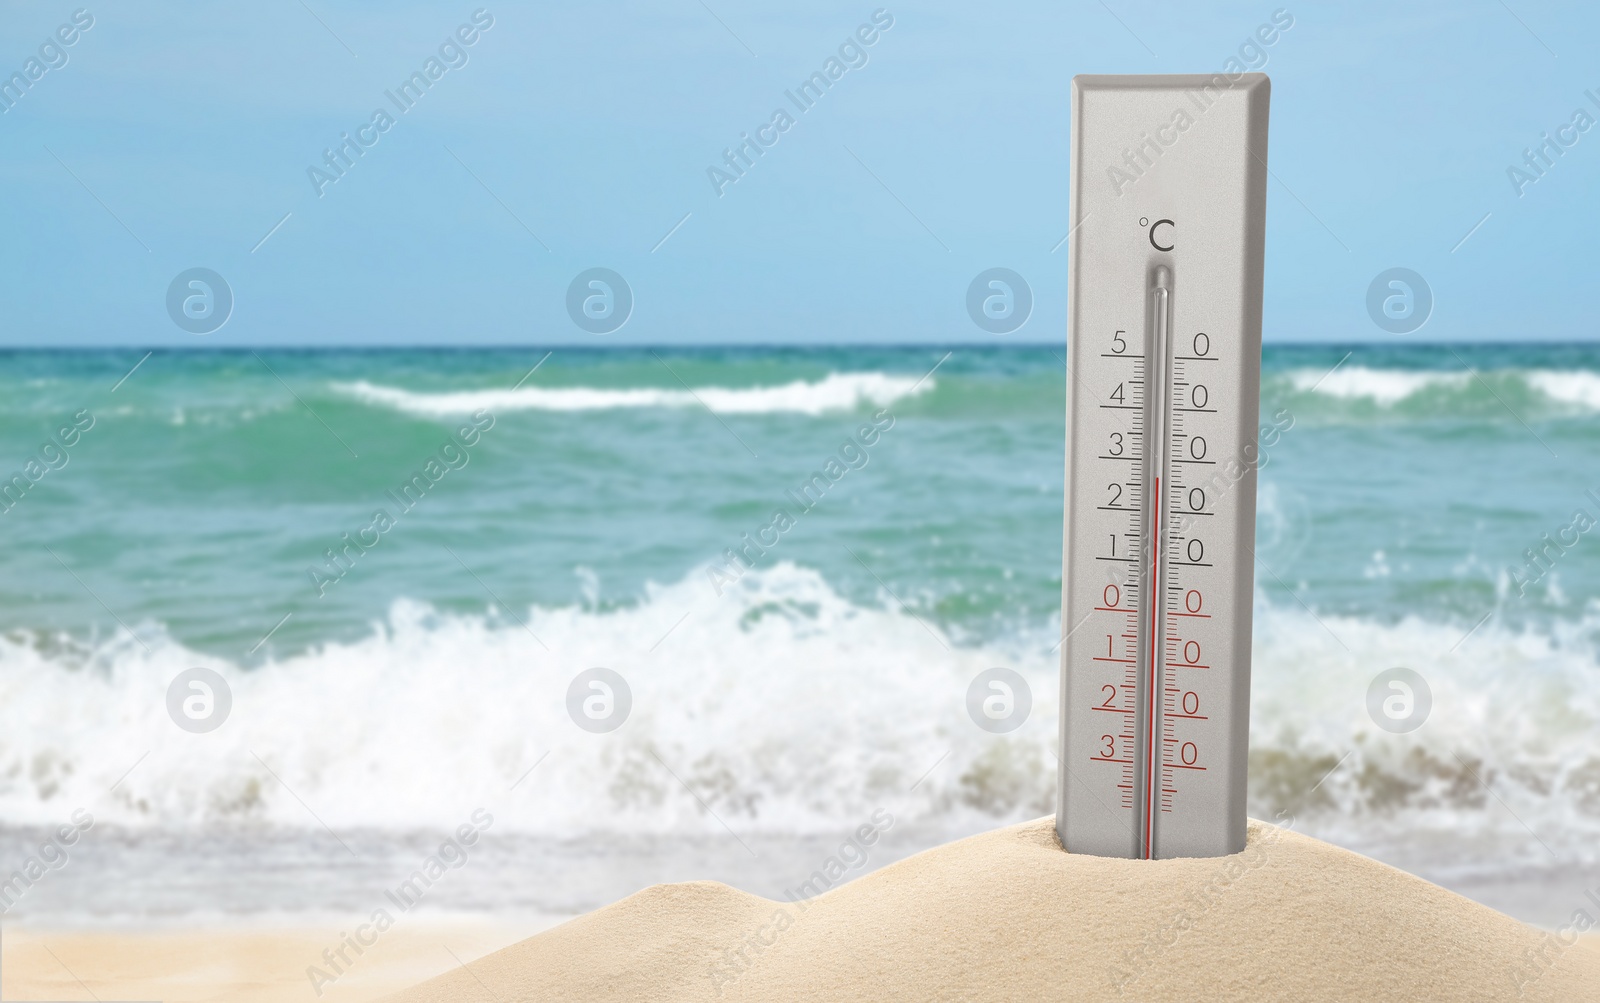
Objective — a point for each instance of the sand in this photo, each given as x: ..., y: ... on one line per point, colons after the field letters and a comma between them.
x: 238, y: 961
x: 1009, y: 916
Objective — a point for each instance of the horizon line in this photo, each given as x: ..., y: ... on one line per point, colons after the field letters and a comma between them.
x: 699, y: 346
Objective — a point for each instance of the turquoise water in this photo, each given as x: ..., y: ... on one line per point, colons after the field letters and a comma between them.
x: 410, y: 679
x: 210, y: 483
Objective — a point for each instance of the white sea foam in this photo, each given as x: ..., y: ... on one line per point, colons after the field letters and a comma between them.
x: 1506, y: 767
x: 781, y: 704
x: 1569, y: 387
x: 781, y: 707
x: 834, y: 392
x: 1385, y: 386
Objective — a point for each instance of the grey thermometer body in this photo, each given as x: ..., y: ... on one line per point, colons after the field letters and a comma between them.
x: 1168, y: 203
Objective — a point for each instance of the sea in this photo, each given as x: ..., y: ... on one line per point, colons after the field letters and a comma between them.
x: 705, y: 612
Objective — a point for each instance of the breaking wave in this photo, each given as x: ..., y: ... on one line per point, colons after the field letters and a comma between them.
x: 779, y: 706
x: 832, y: 393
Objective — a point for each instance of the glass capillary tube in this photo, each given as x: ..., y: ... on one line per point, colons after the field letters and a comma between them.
x: 1156, y: 431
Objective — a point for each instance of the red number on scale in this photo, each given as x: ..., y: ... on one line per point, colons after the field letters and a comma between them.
x: 1112, y: 596
x: 1192, y: 600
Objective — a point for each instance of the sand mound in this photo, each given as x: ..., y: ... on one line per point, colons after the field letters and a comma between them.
x: 1008, y: 916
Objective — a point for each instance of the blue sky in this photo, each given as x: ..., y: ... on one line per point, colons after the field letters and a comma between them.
x: 578, y: 136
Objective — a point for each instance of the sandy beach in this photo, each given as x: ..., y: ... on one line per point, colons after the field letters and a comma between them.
x: 1007, y: 915
x: 248, y: 962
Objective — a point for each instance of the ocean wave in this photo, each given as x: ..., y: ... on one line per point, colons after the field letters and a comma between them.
x: 1547, y: 392
x: 780, y: 706
x: 1570, y: 387
x: 834, y: 392
x: 1385, y: 386
x: 1512, y: 741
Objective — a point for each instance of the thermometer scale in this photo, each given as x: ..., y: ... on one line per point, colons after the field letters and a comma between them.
x: 1168, y: 187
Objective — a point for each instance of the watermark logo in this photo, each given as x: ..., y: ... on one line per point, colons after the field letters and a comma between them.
x: 999, y: 700
x: 453, y: 854
x: 599, y: 300
x: 53, y: 454
x: 199, y: 700
x: 52, y: 855
x: 1535, y: 961
x: 1540, y: 561
x: 1399, y: 300
x: 453, y: 454
x: 599, y: 700
x: 1191, y: 911
x: 199, y: 300
x: 999, y: 300
x: 1399, y: 700
x: 852, y: 855
x: 739, y: 158
x: 853, y: 454
x: 1538, y: 159
x: 1226, y: 474
x: 52, y: 55
x: 1138, y: 159
x: 340, y: 158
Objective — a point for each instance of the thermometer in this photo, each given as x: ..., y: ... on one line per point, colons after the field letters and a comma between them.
x: 1169, y: 182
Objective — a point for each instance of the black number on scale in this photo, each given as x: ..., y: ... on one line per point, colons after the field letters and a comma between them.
x: 1197, y: 447
x: 1117, y: 488
x: 1120, y: 345
x: 1116, y: 440
x: 1199, y: 396
x: 1202, y: 344
x: 1118, y: 395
